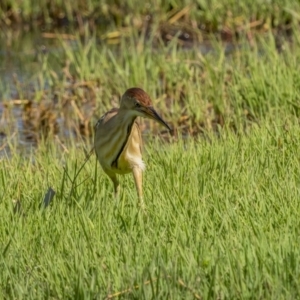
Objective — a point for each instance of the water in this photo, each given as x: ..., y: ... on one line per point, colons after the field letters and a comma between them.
x: 20, y: 53
x: 19, y: 57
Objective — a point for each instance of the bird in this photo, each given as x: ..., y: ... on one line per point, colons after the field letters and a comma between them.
x: 118, y: 140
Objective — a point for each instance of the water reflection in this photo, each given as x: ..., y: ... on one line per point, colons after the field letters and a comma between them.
x: 20, y: 53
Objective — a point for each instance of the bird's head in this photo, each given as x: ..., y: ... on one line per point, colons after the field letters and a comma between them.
x: 139, y: 103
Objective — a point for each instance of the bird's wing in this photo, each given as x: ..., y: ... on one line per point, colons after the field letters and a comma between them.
x: 106, y: 117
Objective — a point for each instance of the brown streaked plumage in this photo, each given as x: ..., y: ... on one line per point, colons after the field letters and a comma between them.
x: 118, y: 138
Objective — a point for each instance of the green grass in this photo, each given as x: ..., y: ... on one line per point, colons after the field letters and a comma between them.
x: 222, y: 221
x: 223, y: 210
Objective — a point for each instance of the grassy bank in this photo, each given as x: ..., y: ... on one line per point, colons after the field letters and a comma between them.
x: 222, y: 222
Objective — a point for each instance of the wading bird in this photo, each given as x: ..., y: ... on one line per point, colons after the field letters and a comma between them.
x: 118, y: 140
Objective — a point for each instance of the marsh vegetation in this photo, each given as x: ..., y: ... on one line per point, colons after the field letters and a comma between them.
x: 222, y: 190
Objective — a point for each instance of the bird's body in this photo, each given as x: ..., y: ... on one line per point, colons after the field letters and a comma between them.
x: 118, y: 141
x: 125, y: 143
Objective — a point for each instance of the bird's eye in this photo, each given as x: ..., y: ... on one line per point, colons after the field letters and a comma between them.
x: 137, y: 104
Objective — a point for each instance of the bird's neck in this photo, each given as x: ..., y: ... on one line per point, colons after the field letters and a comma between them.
x: 126, y: 118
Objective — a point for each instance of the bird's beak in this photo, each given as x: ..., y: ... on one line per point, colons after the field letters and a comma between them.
x: 151, y: 113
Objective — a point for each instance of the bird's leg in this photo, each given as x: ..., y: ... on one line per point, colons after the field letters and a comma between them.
x: 138, y: 178
x: 115, y: 181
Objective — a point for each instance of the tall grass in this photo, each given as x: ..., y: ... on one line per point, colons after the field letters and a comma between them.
x: 222, y: 222
x: 195, y: 92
